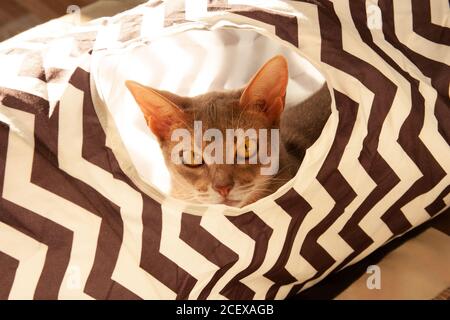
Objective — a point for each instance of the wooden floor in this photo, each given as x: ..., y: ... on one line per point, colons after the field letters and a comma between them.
x: 19, y: 15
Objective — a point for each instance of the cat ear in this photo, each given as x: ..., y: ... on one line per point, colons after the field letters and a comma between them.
x: 159, y: 111
x: 267, y: 89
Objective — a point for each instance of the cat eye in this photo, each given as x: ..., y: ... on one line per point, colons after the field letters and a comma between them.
x: 191, y: 158
x: 248, y: 149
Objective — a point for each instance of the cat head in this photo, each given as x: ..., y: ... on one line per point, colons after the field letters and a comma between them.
x: 257, y: 107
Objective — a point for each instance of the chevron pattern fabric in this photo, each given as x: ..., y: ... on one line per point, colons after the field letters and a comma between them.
x: 75, y: 224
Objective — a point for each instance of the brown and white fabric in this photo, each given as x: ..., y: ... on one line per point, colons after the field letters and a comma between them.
x: 412, y: 267
x: 77, y: 222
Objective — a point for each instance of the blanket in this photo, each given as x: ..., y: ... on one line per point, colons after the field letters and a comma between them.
x: 77, y: 221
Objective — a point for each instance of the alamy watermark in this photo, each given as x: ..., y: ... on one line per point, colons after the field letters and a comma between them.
x: 374, y: 19
x: 74, y: 13
x: 239, y: 146
x: 74, y: 278
x: 374, y: 280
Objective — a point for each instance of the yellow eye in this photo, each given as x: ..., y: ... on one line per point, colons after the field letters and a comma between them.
x: 192, y: 159
x: 247, y: 149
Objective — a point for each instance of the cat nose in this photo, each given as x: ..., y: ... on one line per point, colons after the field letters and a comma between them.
x: 223, y: 190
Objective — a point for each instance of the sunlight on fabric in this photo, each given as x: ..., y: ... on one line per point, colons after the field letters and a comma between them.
x: 153, y: 21
x: 180, y: 62
x: 6, y: 119
x: 214, y: 59
x: 196, y: 9
x: 276, y: 4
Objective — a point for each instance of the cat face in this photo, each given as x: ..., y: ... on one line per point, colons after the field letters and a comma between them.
x: 256, y: 107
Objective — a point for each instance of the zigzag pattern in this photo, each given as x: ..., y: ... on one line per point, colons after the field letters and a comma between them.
x: 75, y: 224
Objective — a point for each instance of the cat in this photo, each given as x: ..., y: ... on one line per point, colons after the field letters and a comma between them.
x: 259, y: 105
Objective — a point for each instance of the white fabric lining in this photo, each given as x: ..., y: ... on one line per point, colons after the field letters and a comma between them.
x: 189, y: 63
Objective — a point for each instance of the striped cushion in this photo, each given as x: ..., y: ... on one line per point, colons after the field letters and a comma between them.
x: 76, y: 220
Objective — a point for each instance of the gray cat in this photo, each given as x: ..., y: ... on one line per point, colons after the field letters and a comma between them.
x: 259, y: 105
